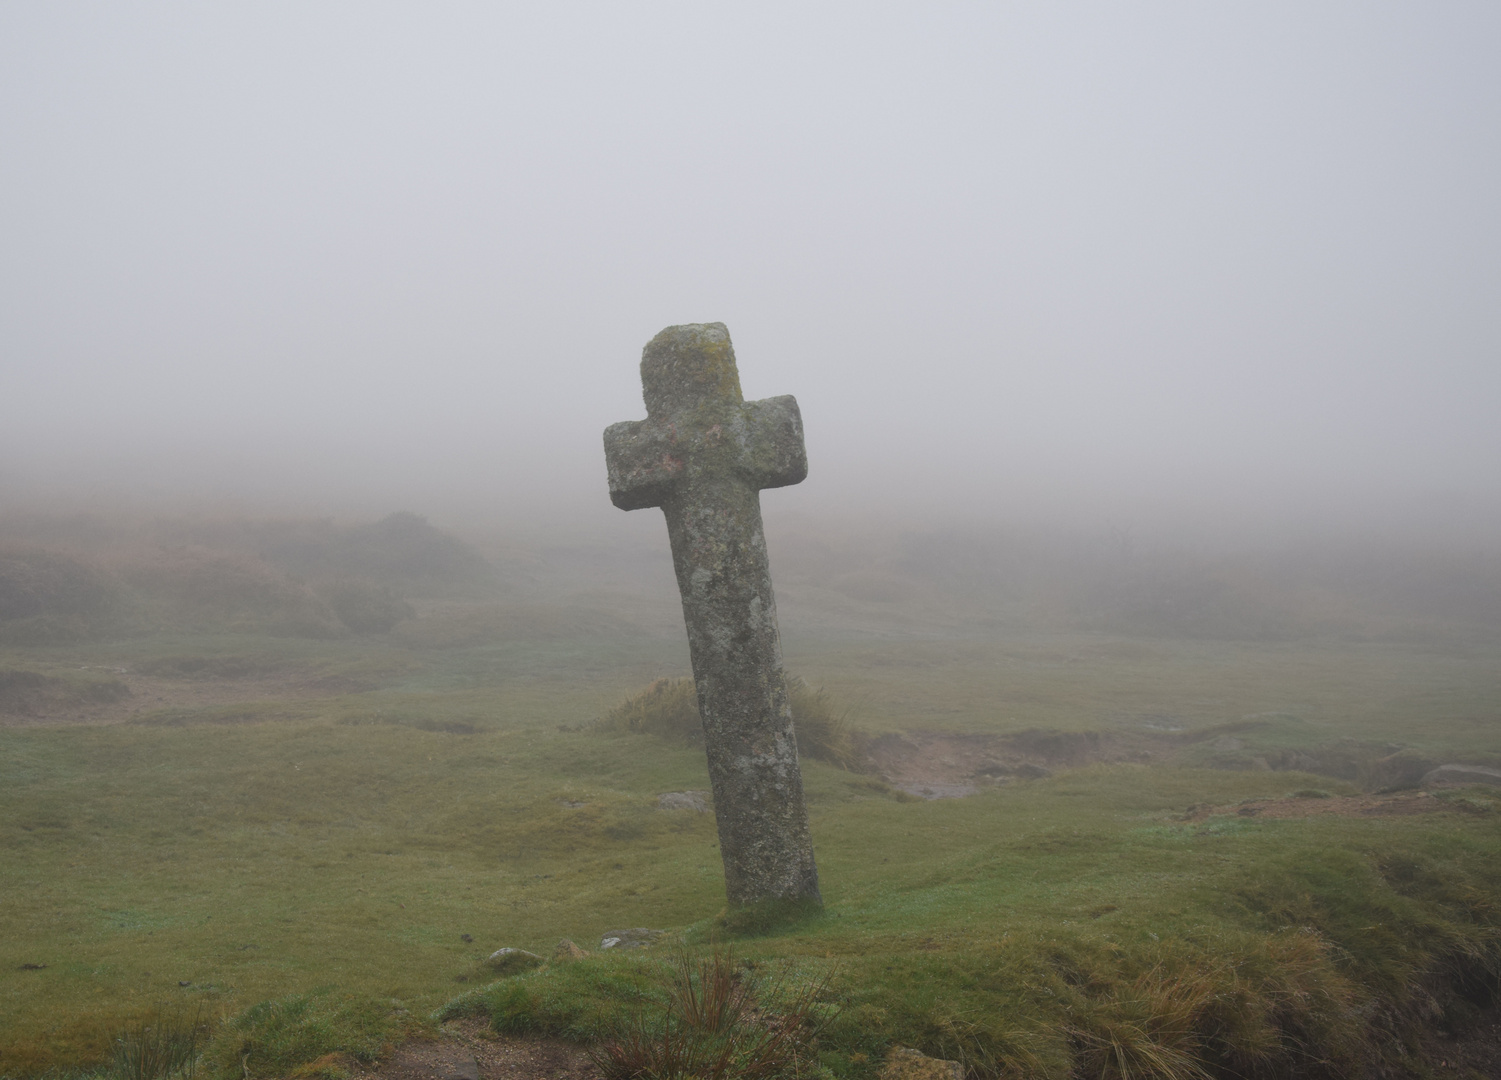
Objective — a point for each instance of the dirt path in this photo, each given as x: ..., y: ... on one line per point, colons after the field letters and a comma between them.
x: 469, y: 1050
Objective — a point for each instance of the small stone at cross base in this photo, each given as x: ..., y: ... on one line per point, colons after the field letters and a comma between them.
x: 906, y: 1064
x: 684, y: 800
x: 635, y: 938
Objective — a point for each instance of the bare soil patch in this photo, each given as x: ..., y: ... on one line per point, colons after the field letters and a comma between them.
x: 935, y: 765
x: 1380, y: 805
x: 470, y: 1050
x: 1475, y: 1052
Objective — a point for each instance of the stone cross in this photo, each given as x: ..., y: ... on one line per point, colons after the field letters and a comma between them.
x: 703, y: 454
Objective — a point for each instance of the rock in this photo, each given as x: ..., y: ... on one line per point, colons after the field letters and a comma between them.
x: 905, y: 1064
x: 635, y: 938
x: 684, y: 800
x: 567, y: 950
x: 509, y: 961
x: 1030, y: 771
x: 1462, y: 774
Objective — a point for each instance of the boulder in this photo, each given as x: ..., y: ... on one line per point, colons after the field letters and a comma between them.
x: 905, y: 1064
x: 509, y: 961
x: 1451, y: 775
x: 635, y: 938
x: 697, y: 801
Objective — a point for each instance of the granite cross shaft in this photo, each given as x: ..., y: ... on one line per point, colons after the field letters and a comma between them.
x: 703, y: 454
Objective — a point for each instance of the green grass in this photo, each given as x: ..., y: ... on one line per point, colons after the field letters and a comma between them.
x: 260, y: 862
x: 1435, y: 698
x: 309, y: 863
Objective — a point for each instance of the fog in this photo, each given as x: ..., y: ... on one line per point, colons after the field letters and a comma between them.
x: 1213, y: 268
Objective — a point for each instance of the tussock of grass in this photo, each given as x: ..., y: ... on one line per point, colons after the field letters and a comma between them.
x: 159, y: 1046
x: 585, y: 1001
x: 273, y: 1038
x: 718, y: 1022
x: 650, y: 1016
x: 668, y: 708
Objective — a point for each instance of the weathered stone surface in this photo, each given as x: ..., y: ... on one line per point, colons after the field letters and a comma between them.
x: 684, y: 800
x: 703, y: 454
x: 1462, y: 774
x: 636, y: 937
x: 905, y: 1064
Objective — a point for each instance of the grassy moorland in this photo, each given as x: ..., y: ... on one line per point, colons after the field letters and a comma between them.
x: 298, y: 781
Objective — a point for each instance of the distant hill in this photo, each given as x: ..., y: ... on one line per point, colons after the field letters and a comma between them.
x: 401, y: 550
x: 75, y: 579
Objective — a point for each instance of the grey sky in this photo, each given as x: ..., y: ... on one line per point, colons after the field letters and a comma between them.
x: 1124, y: 253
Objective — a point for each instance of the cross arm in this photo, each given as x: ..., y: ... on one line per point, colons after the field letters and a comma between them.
x: 774, y: 453
x: 761, y: 441
x: 643, y: 460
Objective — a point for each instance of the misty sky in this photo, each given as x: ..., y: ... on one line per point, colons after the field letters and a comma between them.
x: 1114, y: 254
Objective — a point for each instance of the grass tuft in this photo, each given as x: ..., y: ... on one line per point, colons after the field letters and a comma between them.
x: 162, y: 1045
x: 768, y: 917
x: 717, y: 1022
x: 274, y: 1038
